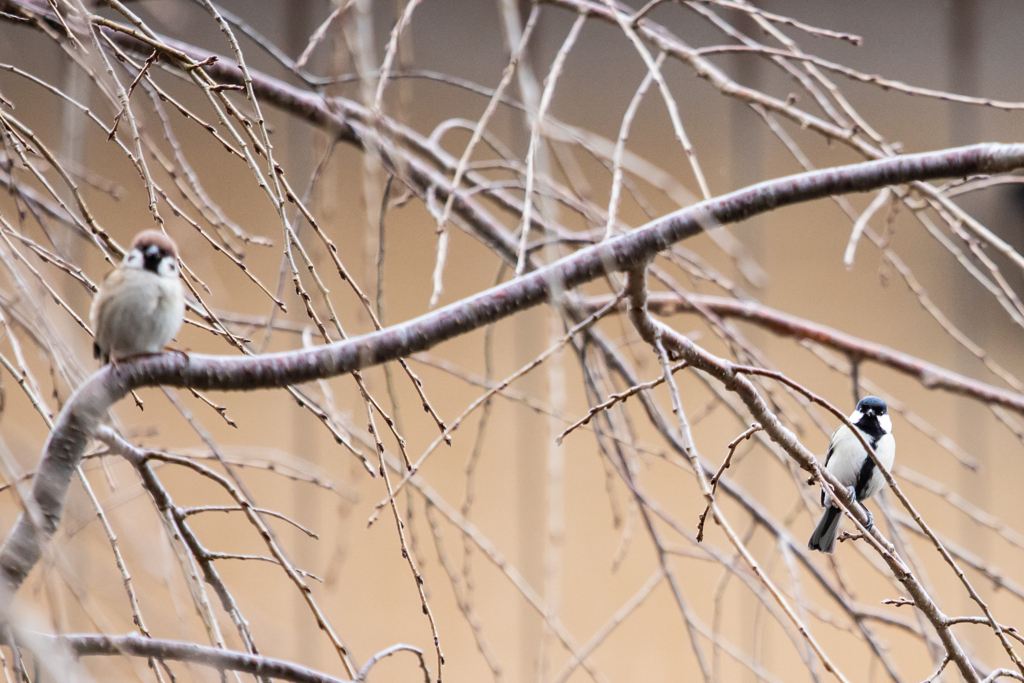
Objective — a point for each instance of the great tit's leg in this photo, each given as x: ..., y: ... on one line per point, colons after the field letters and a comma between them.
x: 871, y: 518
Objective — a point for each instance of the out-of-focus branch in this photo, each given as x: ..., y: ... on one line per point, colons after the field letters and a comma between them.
x: 783, y: 324
x: 138, y: 646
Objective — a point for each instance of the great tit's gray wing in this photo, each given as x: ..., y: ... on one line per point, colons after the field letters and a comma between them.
x: 832, y: 444
x: 831, y: 448
x: 833, y: 440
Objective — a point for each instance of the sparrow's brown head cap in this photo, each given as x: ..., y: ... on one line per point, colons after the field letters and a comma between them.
x: 156, y: 238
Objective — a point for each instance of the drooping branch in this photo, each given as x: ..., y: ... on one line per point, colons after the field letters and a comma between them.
x: 930, y: 375
x: 679, y: 347
x: 82, y: 413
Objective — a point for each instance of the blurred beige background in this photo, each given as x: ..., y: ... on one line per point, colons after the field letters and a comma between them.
x: 967, y: 47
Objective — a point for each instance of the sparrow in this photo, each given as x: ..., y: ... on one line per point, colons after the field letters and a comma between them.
x: 853, y: 467
x: 140, y: 305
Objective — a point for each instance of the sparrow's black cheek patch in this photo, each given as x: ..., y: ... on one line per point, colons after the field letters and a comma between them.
x: 153, y: 256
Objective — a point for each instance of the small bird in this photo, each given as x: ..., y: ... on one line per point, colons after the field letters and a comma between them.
x: 853, y: 467
x: 140, y: 305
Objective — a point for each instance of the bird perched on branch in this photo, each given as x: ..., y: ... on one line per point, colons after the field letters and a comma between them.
x: 853, y: 467
x: 140, y: 305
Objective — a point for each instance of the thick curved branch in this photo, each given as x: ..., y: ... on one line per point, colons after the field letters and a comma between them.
x: 783, y: 324
x: 76, y: 423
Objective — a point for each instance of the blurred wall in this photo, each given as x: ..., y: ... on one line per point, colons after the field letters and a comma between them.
x: 368, y: 592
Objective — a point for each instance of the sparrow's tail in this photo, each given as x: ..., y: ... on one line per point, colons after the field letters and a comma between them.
x: 824, y: 536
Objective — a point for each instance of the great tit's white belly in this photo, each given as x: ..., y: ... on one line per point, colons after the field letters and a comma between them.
x: 848, y: 458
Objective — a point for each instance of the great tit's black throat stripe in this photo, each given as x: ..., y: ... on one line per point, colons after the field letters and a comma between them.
x: 873, y: 430
x: 864, y: 477
x: 869, y: 425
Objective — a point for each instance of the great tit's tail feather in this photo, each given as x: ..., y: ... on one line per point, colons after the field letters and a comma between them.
x: 824, y: 537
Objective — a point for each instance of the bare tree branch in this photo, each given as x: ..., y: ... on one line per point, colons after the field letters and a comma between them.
x: 83, y: 645
x: 58, y: 224
x: 681, y: 348
x: 930, y: 375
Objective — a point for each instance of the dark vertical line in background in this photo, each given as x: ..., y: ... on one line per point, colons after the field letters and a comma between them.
x: 67, y: 242
x: 962, y: 68
x: 746, y: 160
x: 69, y: 245
x: 300, y: 19
x: 972, y: 420
x: 529, y: 337
x: 746, y: 167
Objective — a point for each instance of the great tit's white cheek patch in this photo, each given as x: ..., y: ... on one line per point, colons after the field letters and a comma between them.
x: 855, y: 416
x: 886, y: 423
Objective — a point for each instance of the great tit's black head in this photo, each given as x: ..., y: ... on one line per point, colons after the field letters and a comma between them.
x: 872, y: 405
